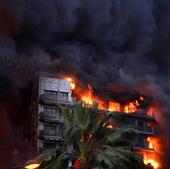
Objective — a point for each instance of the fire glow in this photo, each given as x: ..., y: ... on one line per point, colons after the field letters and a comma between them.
x: 72, y: 83
x: 151, y: 158
x: 88, y: 97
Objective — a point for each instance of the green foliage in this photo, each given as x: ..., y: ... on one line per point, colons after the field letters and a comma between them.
x: 94, y: 144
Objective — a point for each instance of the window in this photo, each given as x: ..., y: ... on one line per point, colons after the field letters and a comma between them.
x: 53, y: 130
x: 56, y: 96
x: 50, y: 112
x: 50, y: 130
x: 53, y: 113
x: 140, y: 125
x: 50, y: 95
x: 62, y: 96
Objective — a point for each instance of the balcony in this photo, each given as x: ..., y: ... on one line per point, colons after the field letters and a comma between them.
x: 146, y: 130
x: 51, y: 135
x: 142, y: 147
x: 141, y: 143
x: 51, y: 118
x: 47, y: 145
x: 54, y: 100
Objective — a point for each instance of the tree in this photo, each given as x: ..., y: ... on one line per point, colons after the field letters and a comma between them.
x: 95, y: 145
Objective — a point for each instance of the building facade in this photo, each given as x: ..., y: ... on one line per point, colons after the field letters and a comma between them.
x: 52, y: 92
x: 49, y: 122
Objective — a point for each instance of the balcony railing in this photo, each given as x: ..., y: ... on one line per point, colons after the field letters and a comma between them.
x: 50, y: 135
x: 142, y: 146
x: 50, y: 99
x: 144, y: 129
x: 45, y: 116
x: 48, y: 145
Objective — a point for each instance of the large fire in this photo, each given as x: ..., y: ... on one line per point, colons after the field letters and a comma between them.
x: 151, y: 158
x: 87, y: 96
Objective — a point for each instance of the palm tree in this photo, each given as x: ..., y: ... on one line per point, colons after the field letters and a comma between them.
x: 93, y: 144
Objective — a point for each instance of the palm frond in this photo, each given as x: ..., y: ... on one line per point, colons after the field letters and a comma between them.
x: 112, y: 157
x: 47, y: 155
x: 121, y: 135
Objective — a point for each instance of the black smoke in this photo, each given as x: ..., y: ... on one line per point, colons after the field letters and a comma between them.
x: 99, y: 42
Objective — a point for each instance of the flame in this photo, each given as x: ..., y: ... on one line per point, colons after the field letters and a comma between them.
x: 152, y: 157
x: 154, y: 143
x: 154, y: 163
x: 87, y: 97
x: 150, y: 143
x: 72, y: 82
x: 114, y: 106
x: 131, y: 107
x: 151, y: 111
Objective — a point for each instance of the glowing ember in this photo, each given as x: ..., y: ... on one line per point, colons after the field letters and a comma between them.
x: 141, y: 98
x: 109, y: 126
x: 32, y: 166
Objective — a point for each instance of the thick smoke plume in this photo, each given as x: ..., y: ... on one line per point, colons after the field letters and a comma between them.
x: 98, y: 42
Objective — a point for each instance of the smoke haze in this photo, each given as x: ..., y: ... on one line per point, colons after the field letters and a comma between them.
x: 99, y: 42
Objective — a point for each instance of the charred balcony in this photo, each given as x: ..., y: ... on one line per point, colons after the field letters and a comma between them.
x: 122, y: 97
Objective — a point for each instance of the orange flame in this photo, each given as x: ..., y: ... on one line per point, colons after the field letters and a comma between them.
x: 151, y: 158
x: 71, y: 81
x: 151, y: 161
x: 131, y: 107
x: 114, y: 106
x: 153, y: 143
x: 87, y: 97
x: 150, y: 143
x: 151, y: 111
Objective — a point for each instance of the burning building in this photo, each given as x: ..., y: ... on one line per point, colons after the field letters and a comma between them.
x: 131, y: 110
x: 88, y: 39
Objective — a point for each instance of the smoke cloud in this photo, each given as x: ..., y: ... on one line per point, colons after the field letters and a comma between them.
x: 118, y: 41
